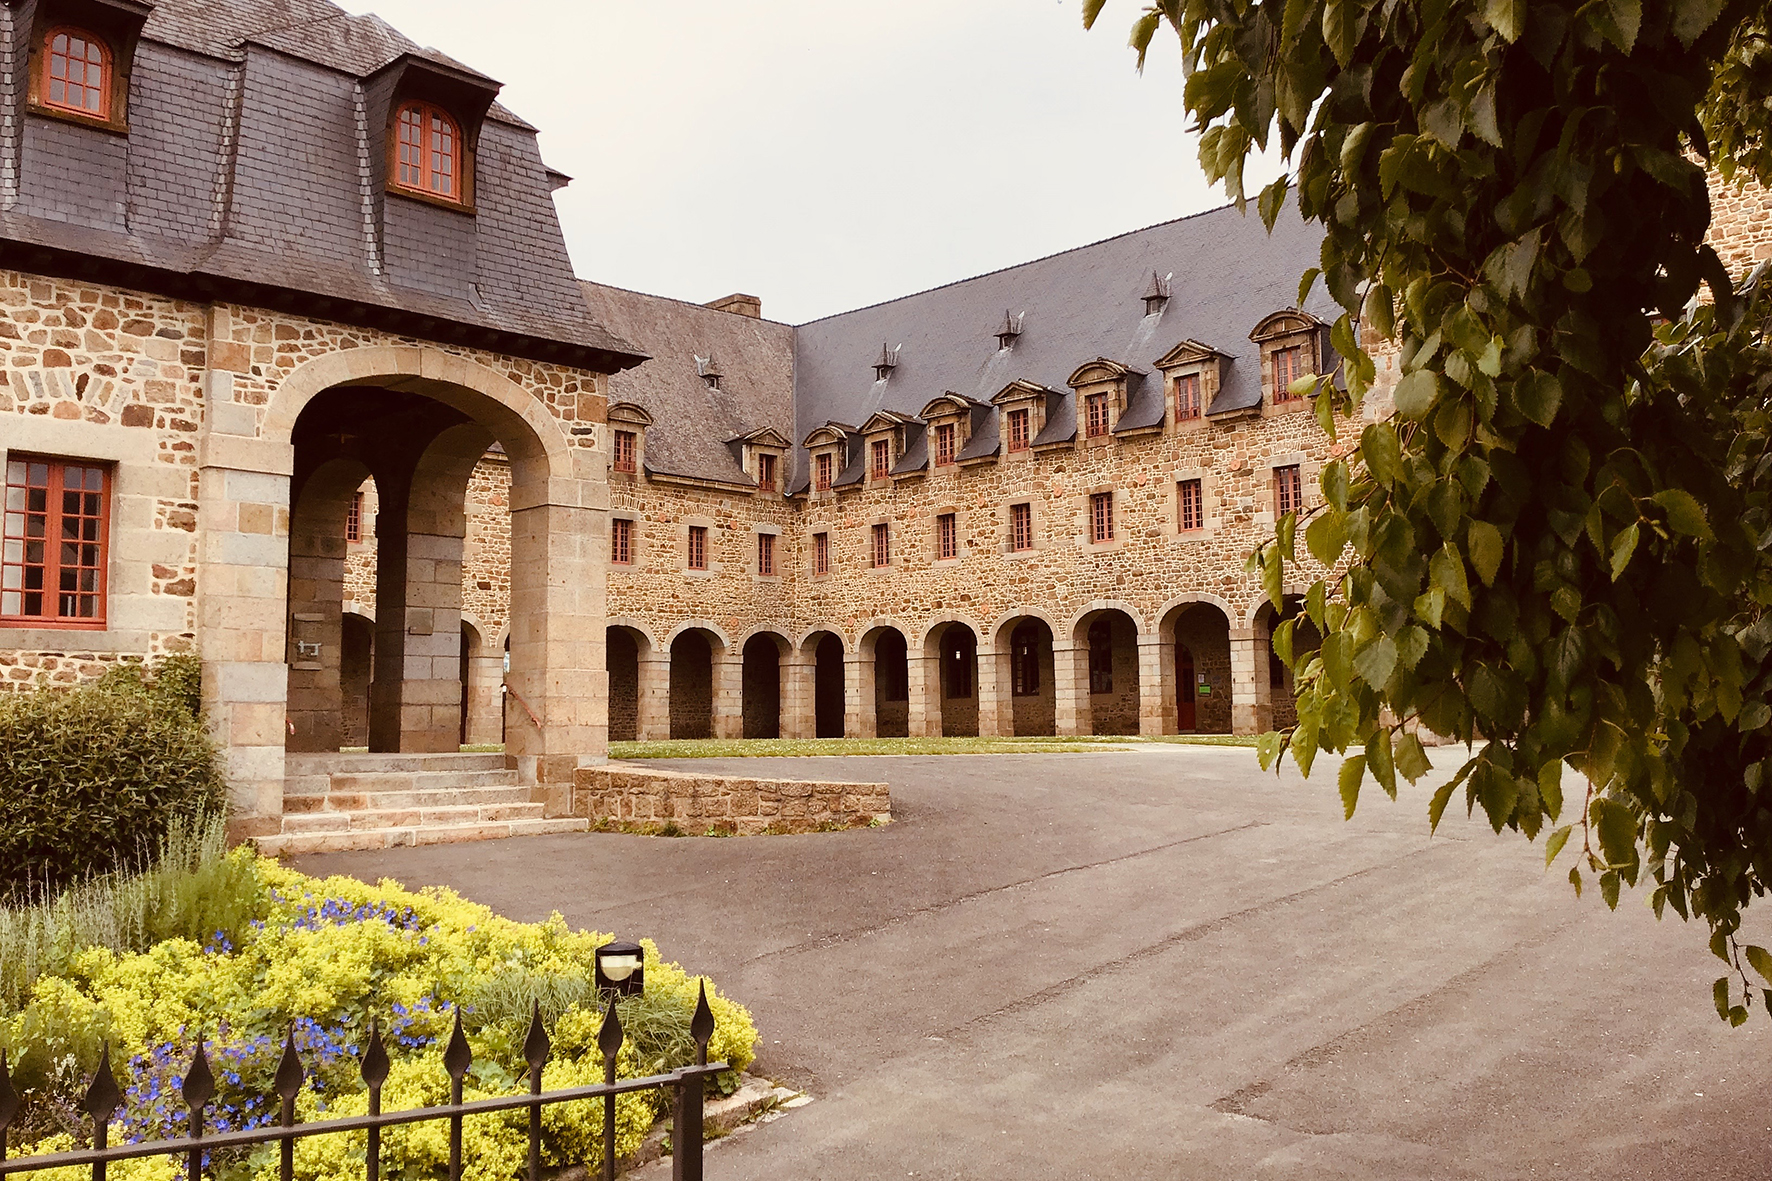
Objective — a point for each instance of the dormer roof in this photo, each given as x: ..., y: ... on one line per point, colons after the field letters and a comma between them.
x: 629, y: 412
x: 885, y: 420
x: 1284, y: 323
x: 1019, y: 390
x: 948, y: 404
x: 766, y: 436
x: 1100, y: 369
x: 827, y: 434
x: 1188, y: 352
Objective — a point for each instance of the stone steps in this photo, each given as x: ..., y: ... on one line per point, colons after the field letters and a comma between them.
x: 337, y: 802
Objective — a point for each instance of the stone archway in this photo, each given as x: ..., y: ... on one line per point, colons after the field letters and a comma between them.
x: 765, y: 664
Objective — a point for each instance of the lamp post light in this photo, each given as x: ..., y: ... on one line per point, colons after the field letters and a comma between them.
x: 621, y: 968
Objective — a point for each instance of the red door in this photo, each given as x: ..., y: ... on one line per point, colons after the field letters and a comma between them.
x: 1184, y: 686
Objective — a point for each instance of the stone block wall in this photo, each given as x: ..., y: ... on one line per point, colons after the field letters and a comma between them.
x: 623, y: 794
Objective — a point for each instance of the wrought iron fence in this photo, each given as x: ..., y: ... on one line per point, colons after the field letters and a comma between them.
x: 103, y: 1098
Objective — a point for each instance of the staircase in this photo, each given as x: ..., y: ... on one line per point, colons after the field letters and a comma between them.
x: 333, y: 802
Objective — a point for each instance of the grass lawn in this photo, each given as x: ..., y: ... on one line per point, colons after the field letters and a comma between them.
x: 726, y: 748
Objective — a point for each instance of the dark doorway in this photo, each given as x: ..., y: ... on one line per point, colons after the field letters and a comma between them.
x: 762, y: 687
x: 959, y: 666
x: 892, y: 686
x: 1032, y: 697
x: 623, y: 654
x: 356, y: 663
x: 1184, y: 689
x: 692, y: 686
x: 829, y: 690
x: 470, y: 640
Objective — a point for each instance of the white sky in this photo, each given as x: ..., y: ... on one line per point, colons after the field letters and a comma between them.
x: 827, y: 155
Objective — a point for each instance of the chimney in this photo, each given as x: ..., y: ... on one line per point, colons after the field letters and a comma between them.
x: 739, y: 305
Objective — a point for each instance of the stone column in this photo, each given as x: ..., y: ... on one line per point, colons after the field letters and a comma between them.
x: 654, y: 721
x: 242, y: 581
x: 1070, y: 690
x: 486, y: 671
x: 1156, y: 690
x: 993, y: 693
x: 860, y: 717
x: 799, y: 694
x: 923, y: 675
x: 1252, y: 710
x: 728, y: 693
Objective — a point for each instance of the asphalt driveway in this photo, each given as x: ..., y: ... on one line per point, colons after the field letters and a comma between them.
x: 1163, y: 963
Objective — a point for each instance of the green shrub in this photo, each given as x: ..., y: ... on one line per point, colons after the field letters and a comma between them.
x: 93, y: 778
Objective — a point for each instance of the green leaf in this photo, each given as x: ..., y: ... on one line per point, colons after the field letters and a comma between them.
x: 1382, y: 452
x: 1761, y: 962
x: 1292, y: 25
x: 1305, y: 284
x: 1575, y: 880
x: 1381, y: 308
x: 1341, y: 29
x: 1550, y: 787
x: 1484, y: 542
x: 1693, y: 17
x: 1507, y: 17
x: 1267, y: 749
x: 1617, y: 828
x: 1623, y: 546
x: 1335, y: 482
x: 1142, y: 31
x: 1353, y: 769
x: 1411, y: 759
x: 1683, y: 513
x: 1719, y: 991
x: 1446, y: 571
x: 1609, y: 888
x: 1430, y: 606
x: 1555, y: 844
x: 1416, y: 394
x: 1436, y: 807
x: 1538, y: 396
x: 1627, y: 15
x: 1411, y: 646
x: 1376, y: 661
x: 1379, y: 761
x: 1091, y: 10
x: 1326, y: 537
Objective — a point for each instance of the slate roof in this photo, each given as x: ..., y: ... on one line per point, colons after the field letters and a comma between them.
x: 1227, y: 274
x: 693, y: 423
x: 249, y: 172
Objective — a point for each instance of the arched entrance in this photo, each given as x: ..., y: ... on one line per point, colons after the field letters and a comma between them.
x: 1200, y: 668
x: 1186, y: 720
x: 762, y: 685
x: 955, y: 649
x: 1282, y: 692
x: 1108, y: 639
x: 1032, y: 696
x: 356, y: 665
x: 829, y: 694
x: 692, y: 684
x: 623, y: 655
x: 887, y: 683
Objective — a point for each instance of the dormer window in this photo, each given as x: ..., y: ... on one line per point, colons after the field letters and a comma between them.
x: 824, y: 466
x: 1187, y: 396
x: 76, y: 73
x: 1291, y: 348
x: 1095, y: 408
x: 428, y: 152
x: 627, y: 449
x: 765, y: 473
x: 1288, y: 368
x: 944, y: 442
x: 1018, y: 430
x: 880, y: 464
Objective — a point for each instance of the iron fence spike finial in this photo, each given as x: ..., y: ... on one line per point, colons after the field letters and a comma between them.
x: 701, y: 1026
x: 289, y: 1069
x: 102, y: 1097
x: 536, y: 1045
x: 375, y: 1058
x: 199, y: 1084
x: 457, y: 1057
x: 609, y: 1037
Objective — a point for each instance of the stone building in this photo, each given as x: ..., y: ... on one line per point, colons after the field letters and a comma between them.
x: 298, y: 377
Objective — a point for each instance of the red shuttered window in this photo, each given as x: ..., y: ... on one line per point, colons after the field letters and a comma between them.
x: 947, y: 537
x: 1288, y: 490
x: 627, y: 450
x: 428, y: 152
x: 765, y: 553
x: 698, y: 547
x: 1101, y: 516
x: 1190, y: 506
x: 1018, y: 430
x: 822, y: 468
x: 1187, y: 396
x: 1021, y: 527
x: 621, y: 541
x: 1095, y: 408
x: 882, y: 458
x: 821, y: 553
x: 76, y: 73
x: 882, y: 545
x: 53, y: 545
x: 766, y: 473
x: 1288, y: 368
x: 944, y: 443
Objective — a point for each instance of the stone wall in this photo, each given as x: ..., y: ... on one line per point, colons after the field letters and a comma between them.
x: 1741, y: 225
x: 623, y: 794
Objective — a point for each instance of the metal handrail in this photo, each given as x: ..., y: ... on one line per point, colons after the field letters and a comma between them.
x: 509, y: 688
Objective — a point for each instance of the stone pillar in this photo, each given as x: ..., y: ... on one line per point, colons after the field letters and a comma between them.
x: 728, y: 692
x: 654, y: 722
x: 1070, y: 690
x: 316, y: 623
x: 993, y: 693
x: 860, y: 718
x: 486, y: 674
x: 1252, y: 710
x: 799, y: 694
x: 242, y: 581
x: 923, y: 676
x: 1156, y: 690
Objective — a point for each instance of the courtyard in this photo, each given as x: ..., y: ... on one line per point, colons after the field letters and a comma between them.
x: 1163, y: 962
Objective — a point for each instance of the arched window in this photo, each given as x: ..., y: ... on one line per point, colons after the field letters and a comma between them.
x: 429, y: 152
x: 76, y: 73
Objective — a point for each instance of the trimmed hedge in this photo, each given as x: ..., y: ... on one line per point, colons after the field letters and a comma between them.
x: 92, y: 778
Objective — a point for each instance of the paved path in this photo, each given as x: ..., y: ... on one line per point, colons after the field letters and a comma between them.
x: 1165, y: 964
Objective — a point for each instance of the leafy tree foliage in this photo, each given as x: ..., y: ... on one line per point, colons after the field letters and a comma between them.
x: 1559, y: 548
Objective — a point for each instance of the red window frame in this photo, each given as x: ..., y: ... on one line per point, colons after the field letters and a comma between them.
x: 427, y: 151
x: 821, y: 553
x: 881, y: 462
x: 947, y: 537
x: 354, y: 517
x: 1288, y: 490
x: 1095, y: 408
x: 36, y: 548
x: 766, y: 553
x: 1288, y: 368
x: 1190, y: 505
x: 822, y: 467
x: 73, y: 51
x: 1021, y: 527
x: 698, y: 547
x: 621, y: 541
x: 944, y: 443
x: 882, y: 545
x: 766, y: 473
x: 1101, y: 516
x: 627, y: 450
x: 1018, y: 430
x: 1187, y: 396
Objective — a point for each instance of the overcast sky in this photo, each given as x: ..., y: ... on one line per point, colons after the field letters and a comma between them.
x: 828, y: 155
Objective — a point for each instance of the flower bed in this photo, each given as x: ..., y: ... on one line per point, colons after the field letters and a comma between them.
x: 324, y: 957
